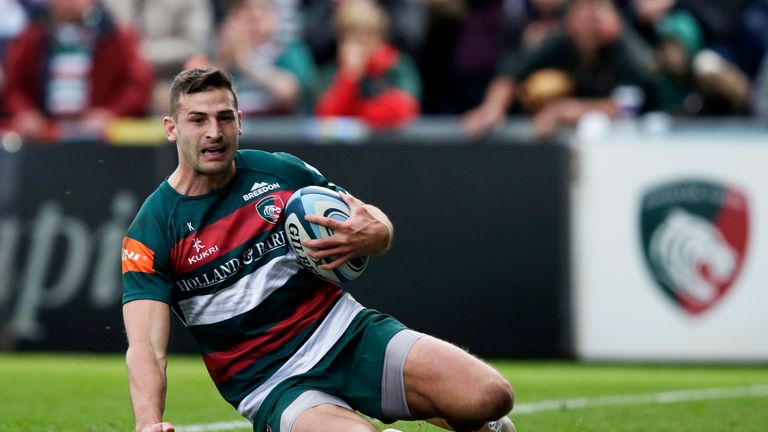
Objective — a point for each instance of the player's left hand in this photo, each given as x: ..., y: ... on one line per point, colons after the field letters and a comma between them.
x: 366, y: 232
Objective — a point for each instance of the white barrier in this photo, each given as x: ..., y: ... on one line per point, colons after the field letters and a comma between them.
x: 670, y: 247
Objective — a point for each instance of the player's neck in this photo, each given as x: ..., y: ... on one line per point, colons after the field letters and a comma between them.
x: 190, y: 183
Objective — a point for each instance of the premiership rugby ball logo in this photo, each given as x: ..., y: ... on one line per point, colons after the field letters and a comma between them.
x: 270, y: 208
x: 694, y: 236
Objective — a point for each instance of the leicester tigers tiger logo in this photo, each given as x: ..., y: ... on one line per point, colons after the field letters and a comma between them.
x: 270, y: 208
x: 694, y: 236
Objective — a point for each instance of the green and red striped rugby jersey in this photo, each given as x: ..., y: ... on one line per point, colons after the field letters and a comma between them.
x: 221, y: 262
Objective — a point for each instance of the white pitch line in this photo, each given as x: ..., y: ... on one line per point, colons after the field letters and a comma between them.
x: 637, y: 399
x: 211, y: 427
x: 569, y: 404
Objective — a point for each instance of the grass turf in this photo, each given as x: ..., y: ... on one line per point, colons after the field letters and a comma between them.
x: 66, y: 392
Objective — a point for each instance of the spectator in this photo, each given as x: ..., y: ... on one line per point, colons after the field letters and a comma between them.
x: 371, y: 80
x: 645, y: 15
x: 677, y: 39
x: 466, y: 39
x: 272, y: 77
x: 524, y: 31
x: 695, y: 81
x: 461, y: 44
x: 78, y: 65
x: 171, y: 32
x: 593, y: 51
x: 12, y: 21
x: 737, y: 31
x: 406, y: 31
x: 288, y: 17
x: 727, y: 30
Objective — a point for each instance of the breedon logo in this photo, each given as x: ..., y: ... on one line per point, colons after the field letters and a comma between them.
x: 694, y: 236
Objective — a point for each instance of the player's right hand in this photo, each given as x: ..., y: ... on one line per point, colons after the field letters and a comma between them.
x: 159, y: 427
x: 362, y: 234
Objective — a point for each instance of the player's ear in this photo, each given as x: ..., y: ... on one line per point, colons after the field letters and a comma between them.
x: 240, y: 130
x: 170, y: 128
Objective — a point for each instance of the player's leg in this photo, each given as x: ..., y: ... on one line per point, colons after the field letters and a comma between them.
x: 444, y: 381
x: 317, y: 411
x: 331, y: 418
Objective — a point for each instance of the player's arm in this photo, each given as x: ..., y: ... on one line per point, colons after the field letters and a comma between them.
x: 368, y: 231
x: 147, y: 324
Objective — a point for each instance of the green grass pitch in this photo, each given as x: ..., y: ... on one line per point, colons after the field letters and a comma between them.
x: 67, y: 392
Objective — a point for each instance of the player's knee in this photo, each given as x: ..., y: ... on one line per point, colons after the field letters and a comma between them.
x: 497, y: 399
x: 492, y: 400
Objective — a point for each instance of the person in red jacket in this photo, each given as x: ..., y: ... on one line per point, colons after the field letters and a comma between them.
x: 371, y: 80
x: 75, y: 67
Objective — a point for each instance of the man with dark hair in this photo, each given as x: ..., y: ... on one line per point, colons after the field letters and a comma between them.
x: 595, y: 52
x: 195, y: 81
x: 291, y: 352
x: 273, y: 76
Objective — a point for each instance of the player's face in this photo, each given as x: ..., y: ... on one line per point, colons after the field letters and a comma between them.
x: 206, y: 130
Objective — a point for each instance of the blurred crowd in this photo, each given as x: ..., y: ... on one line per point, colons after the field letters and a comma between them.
x: 80, y: 64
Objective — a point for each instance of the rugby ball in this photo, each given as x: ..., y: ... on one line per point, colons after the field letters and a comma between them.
x: 323, y: 202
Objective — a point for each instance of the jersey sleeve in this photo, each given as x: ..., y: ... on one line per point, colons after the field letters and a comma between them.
x: 313, y: 177
x: 146, y: 260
